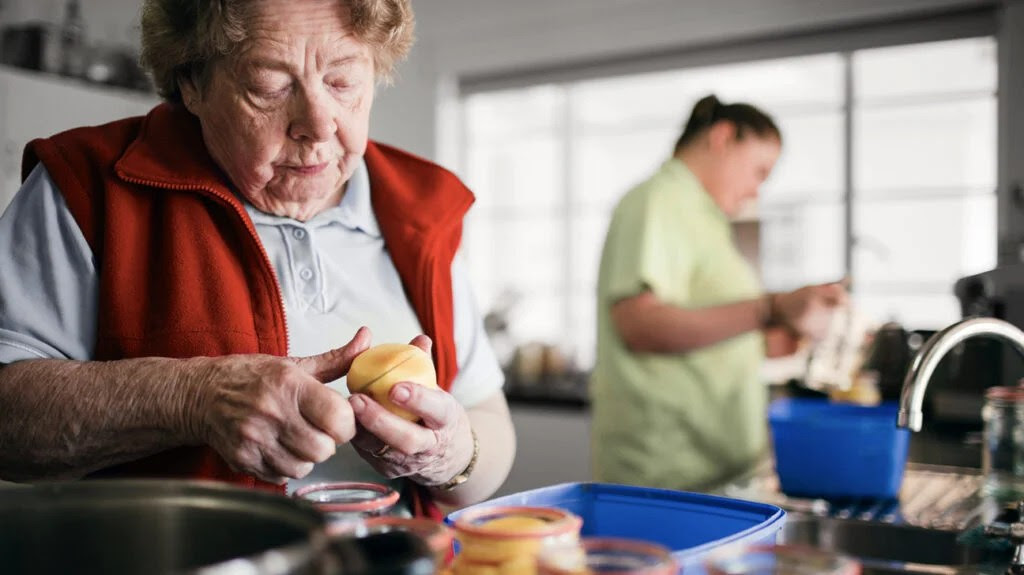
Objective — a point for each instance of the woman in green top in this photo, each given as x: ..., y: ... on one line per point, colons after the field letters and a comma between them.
x: 682, y: 320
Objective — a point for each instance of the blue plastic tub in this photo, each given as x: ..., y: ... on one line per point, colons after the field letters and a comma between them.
x: 689, y: 524
x: 835, y: 451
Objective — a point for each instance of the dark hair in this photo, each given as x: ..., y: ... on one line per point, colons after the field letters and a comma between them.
x: 747, y: 119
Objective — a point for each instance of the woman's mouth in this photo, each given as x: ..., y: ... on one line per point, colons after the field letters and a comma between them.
x: 308, y: 170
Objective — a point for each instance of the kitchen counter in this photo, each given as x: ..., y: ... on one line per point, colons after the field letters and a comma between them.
x: 569, y: 391
x: 946, y: 445
x: 931, y: 497
x: 934, y: 527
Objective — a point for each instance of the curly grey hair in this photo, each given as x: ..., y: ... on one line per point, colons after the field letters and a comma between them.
x: 182, y: 37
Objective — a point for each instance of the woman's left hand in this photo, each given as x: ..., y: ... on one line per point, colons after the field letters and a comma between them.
x: 430, y: 452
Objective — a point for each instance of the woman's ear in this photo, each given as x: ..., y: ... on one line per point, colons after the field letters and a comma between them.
x: 189, y: 93
x: 721, y: 134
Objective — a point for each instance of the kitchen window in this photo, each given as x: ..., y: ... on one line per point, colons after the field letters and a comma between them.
x: 888, y: 175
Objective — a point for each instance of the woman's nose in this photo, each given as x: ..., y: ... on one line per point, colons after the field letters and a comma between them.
x: 313, y: 118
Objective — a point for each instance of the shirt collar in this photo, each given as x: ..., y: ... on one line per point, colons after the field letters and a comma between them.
x: 356, y: 208
x: 355, y: 211
x: 678, y: 170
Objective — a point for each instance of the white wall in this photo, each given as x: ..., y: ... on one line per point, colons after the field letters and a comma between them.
x: 458, y: 37
x: 482, y: 35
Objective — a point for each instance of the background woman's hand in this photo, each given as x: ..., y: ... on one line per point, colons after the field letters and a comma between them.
x: 430, y: 452
x: 273, y: 417
x: 808, y: 310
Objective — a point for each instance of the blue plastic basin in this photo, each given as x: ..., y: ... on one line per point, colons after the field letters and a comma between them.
x: 834, y: 451
x: 689, y: 524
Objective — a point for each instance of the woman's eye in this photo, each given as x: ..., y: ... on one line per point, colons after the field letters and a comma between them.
x: 270, y: 92
x: 340, y: 84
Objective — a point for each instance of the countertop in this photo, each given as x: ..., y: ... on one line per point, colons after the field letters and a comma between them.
x: 946, y: 444
x: 931, y: 496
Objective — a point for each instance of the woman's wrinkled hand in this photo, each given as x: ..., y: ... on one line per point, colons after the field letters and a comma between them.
x: 430, y: 452
x: 273, y: 417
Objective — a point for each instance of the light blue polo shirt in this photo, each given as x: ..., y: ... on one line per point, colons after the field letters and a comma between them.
x: 334, y: 271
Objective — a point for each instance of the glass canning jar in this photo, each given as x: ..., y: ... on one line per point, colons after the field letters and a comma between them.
x: 508, y: 539
x: 348, y: 502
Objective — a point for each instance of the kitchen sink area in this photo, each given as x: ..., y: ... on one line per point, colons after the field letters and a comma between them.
x: 935, y: 527
x: 885, y: 548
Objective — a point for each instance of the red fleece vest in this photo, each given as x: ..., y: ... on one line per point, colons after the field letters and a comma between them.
x: 182, y: 272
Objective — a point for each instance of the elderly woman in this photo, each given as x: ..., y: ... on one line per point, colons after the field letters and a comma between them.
x: 178, y: 288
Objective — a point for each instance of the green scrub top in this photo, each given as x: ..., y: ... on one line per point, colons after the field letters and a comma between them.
x: 692, y: 420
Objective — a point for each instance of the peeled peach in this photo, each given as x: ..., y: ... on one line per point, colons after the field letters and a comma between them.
x: 375, y: 371
x: 520, y: 524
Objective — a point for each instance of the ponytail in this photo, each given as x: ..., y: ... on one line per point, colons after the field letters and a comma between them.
x: 709, y: 110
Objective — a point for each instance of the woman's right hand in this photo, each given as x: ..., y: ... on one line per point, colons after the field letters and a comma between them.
x: 808, y: 310
x: 273, y: 417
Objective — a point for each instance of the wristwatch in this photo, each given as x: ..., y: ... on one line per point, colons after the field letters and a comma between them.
x: 463, y: 476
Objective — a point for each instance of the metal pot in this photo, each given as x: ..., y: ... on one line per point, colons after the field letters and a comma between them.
x: 152, y: 527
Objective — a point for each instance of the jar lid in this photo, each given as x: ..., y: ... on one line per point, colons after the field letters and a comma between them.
x: 349, y: 496
x: 1013, y: 394
x: 517, y: 522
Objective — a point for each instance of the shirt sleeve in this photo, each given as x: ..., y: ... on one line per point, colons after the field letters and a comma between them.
x: 479, y: 375
x: 645, y: 249
x: 48, y: 286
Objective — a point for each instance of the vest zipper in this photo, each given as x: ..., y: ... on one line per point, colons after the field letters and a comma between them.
x: 240, y: 212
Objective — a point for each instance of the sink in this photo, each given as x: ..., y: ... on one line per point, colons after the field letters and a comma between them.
x: 885, y: 548
x: 916, y: 534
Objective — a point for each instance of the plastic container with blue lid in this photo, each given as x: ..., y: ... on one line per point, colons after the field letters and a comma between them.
x: 689, y: 524
x: 837, y: 451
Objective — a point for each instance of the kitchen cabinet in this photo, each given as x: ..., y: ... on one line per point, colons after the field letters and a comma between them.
x: 34, y: 104
x: 553, y: 446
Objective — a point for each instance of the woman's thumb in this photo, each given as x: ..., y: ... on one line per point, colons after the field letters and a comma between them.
x: 332, y: 364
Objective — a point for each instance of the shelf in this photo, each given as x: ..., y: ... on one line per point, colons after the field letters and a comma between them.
x: 64, y: 82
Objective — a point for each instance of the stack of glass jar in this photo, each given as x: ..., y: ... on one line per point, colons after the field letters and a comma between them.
x: 1002, y: 460
x: 491, y: 541
x: 360, y: 510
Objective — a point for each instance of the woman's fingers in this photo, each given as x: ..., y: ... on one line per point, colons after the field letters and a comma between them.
x: 332, y: 364
x: 435, y: 407
x: 281, y: 462
x: 307, y: 443
x: 328, y: 411
x: 423, y: 342
x: 401, y: 435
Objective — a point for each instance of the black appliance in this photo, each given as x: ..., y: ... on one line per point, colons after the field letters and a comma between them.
x: 981, y: 363
x: 957, y: 389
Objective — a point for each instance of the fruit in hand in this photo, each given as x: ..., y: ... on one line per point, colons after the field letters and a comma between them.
x: 375, y: 371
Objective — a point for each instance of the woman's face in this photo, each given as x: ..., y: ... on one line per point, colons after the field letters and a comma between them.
x: 287, y: 117
x: 740, y: 167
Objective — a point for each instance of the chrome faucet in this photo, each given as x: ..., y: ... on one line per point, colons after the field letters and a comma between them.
x: 935, y: 349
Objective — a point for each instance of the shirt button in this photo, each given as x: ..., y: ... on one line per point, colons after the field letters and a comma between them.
x: 306, y: 274
x: 299, y: 233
